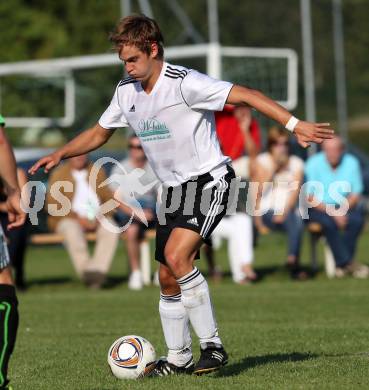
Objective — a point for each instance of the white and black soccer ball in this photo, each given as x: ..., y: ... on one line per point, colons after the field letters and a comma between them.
x: 131, y: 357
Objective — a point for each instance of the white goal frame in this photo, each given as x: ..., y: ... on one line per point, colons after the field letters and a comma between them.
x: 213, y: 52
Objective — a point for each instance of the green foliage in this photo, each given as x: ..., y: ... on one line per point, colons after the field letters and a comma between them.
x: 35, y: 29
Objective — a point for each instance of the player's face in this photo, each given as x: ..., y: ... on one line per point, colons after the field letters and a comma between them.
x: 138, y: 64
x: 280, y: 150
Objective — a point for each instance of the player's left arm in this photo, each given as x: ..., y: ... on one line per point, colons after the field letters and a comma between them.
x: 8, y: 168
x: 305, y: 132
x: 8, y: 171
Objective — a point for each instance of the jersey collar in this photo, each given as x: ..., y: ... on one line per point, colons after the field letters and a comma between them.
x: 158, y: 81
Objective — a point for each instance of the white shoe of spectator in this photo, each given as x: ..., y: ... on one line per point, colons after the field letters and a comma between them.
x: 135, y: 280
x: 330, y: 264
x: 358, y: 270
x: 355, y: 269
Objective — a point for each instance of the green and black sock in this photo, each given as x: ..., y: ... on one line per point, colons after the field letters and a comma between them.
x: 8, y: 328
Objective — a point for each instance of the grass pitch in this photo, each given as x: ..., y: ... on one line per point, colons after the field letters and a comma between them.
x: 280, y: 334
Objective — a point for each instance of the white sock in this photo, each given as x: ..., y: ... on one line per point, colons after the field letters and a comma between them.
x: 176, y: 328
x: 196, y: 300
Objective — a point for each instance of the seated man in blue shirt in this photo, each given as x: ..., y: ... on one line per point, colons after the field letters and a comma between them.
x: 334, y: 187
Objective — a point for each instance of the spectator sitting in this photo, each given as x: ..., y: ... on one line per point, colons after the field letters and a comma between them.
x: 237, y: 229
x: 238, y: 133
x: 17, y: 238
x: 81, y: 218
x: 277, y: 173
x: 144, y: 185
x: 332, y: 167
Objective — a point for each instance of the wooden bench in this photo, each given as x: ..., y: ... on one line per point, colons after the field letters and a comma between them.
x: 145, y: 252
x: 316, y: 234
x: 54, y: 238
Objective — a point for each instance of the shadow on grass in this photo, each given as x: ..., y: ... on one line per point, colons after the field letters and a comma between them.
x: 264, y: 271
x: 261, y: 272
x: 300, y: 273
x: 114, y: 281
x: 111, y: 282
x: 270, y: 270
x: 48, y: 280
x: 256, y: 361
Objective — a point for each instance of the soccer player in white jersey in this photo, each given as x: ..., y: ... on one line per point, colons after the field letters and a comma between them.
x: 8, y: 297
x: 171, y: 110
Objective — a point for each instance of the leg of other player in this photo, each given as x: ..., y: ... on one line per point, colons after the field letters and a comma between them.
x: 8, y: 321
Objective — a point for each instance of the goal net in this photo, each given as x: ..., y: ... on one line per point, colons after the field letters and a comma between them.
x: 71, y: 93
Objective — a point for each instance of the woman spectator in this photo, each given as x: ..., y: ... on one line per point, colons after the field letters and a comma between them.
x: 280, y: 176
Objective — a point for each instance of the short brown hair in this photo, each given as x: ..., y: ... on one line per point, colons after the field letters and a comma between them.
x: 140, y: 31
x: 274, y: 133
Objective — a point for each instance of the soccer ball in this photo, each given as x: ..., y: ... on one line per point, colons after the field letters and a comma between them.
x: 131, y: 357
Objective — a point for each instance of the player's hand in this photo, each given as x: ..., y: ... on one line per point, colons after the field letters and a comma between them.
x: 307, y: 132
x: 16, y: 215
x: 49, y: 162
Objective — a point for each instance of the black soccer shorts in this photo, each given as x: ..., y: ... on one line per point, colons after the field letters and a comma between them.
x: 193, y: 206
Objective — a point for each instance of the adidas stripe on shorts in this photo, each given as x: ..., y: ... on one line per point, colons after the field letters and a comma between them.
x: 4, y: 254
x: 195, y: 207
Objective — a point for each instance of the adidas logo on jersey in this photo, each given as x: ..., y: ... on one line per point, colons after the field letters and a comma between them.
x: 132, y: 109
x: 193, y: 221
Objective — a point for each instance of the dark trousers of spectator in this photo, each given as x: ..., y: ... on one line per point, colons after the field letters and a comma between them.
x: 342, y: 242
x: 293, y: 225
x: 17, y: 242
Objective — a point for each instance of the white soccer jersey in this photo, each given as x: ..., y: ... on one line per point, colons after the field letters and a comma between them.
x: 175, y: 122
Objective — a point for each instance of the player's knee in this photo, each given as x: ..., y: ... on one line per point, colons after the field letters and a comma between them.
x: 173, y: 258
x: 168, y: 283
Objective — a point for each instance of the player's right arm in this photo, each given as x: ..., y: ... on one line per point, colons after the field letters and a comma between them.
x: 202, y: 92
x: 305, y: 132
x: 85, y: 142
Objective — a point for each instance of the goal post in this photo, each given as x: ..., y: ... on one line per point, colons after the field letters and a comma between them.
x: 272, y: 70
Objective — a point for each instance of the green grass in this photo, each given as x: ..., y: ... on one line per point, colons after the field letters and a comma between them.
x: 280, y: 334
